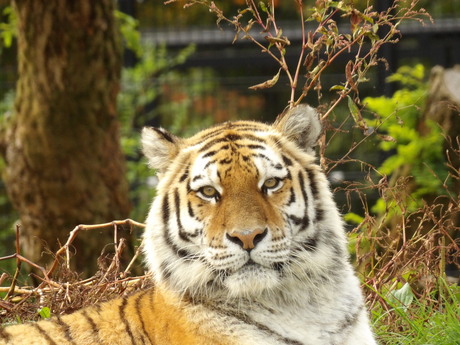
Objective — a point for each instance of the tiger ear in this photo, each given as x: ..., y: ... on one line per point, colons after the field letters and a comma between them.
x: 301, y: 125
x: 160, y: 147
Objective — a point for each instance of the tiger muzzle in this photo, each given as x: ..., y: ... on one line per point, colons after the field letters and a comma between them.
x: 247, y: 239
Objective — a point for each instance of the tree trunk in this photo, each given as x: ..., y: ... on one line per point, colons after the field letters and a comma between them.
x: 443, y: 107
x: 64, y: 164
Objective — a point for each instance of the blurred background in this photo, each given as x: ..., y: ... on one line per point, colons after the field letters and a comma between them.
x: 79, y: 80
x: 181, y: 71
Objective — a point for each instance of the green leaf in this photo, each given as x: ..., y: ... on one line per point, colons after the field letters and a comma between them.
x: 263, y: 7
x: 402, y: 297
x: 351, y: 217
x: 129, y: 31
x: 356, y: 113
x: 267, y: 84
x: 8, y: 28
x: 44, y: 312
x: 337, y: 88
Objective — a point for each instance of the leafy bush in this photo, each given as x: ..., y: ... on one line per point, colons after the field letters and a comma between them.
x: 401, y: 117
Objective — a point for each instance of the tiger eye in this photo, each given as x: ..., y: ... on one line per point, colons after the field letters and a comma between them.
x: 271, y: 183
x: 208, y: 191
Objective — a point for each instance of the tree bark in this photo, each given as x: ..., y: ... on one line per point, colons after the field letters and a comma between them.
x: 443, y: 107
x: 64, y: 164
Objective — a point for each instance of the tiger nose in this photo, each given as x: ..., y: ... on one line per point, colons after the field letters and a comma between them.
x: 247, y: 239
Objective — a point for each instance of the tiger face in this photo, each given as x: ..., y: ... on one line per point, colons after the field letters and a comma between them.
x: 237, y: 210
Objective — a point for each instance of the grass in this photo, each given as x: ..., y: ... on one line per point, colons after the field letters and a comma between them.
x: 426, y: 321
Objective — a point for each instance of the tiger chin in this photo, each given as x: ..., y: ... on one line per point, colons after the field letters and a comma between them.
x: 245, y: 244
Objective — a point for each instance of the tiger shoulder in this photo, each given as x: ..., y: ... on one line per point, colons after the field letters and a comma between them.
x: 245, y: 244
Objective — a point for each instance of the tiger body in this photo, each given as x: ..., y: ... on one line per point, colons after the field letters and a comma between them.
x: 245, y: 244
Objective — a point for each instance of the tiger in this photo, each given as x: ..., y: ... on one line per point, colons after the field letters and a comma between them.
x: 245, y: 245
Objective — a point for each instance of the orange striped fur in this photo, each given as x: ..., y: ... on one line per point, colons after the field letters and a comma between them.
x: 147, y: 317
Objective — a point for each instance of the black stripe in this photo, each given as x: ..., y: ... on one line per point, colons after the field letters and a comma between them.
x: 226, y: 161
x: 305, y: 221
x: 246, y: 127
x: 211, y: 143
x: 167, y: 236
x: 43, y: 333
x: 164, y: 134
x: 319, y: 213
x: 182, y: 233
x: 302, y: 188
x: 313, y: 185
x: 182, y: 253
x: 278, y: 266
x: 66, y: 329
x: 209, y: 154
x: 254, y: 147
x: 310, y: 244
x: 197, y: 177
x: 244, y: 318
x: 287, y: 161
x: 208, y: 164
x: 219, y: 129
x: 165, y: 270
x: 4, y: 334
x: 98, y: 308
x: 292, y: 197
x: 137, y: 306
x: 253, y: 138
x: 184, y: 175
x: 261, y: 155
x: 232, y: 138
x: 91, y: 322
x: 122, y: 311
x: 190, y: 209
x: 165, y: 209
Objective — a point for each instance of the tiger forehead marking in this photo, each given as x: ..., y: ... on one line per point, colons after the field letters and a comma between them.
x: 234, y: 148
x: 237, y: 164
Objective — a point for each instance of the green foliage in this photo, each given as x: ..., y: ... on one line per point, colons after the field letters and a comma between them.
x: 144, y: 83
x: 7, y: 214
x: 402, y: 298
x: 354, y: 218
x: 45, y: 313
x: 8, y: 27
x: 400, y: 117
x: 129, y: 32
x: 410, y: 321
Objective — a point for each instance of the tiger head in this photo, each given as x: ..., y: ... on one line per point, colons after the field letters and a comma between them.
x: 242, y: 209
